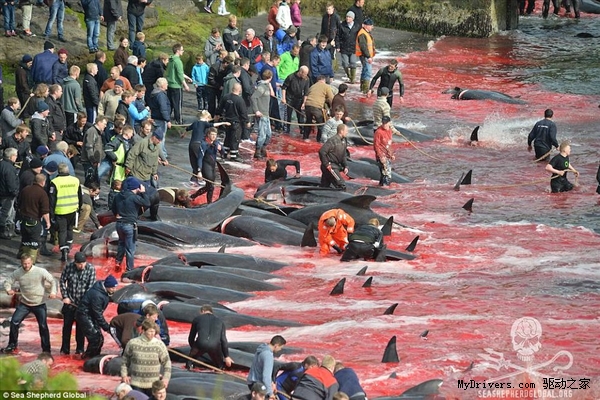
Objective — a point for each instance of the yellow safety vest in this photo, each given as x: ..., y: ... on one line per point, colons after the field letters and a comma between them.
x: 119, y: 168
x: 67, y: 194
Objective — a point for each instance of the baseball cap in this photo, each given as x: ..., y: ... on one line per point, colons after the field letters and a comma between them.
x: 119, y: 82
x: 384, y: 91
x: 259, y: 388
x: 368, y: 21
x: 385, y: 119
x: 158, y: 134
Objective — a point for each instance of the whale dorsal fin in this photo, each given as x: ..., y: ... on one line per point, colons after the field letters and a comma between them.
x: 362, y: 201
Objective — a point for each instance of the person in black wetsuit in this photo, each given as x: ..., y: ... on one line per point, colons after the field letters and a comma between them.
x: 543, y: 136
x: 207, y: 336
x: 277, y: 169
x: 365, y: 242
x: 207, y: 161
x: 559, y: 166
x: 598, y: 180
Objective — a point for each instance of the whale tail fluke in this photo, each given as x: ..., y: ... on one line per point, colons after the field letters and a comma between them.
x: 390, y: 310
x: 339, y: 287
x: 362, y: 271
x: 368, y: 282
x: 467, y: 179
x: 390, y: 354
x: 457, y: 185
x: 411, y: 247
x: 469, y: 205
x: 308, y: 239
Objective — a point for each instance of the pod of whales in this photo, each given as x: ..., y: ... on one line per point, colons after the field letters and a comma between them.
x: 477, y: 94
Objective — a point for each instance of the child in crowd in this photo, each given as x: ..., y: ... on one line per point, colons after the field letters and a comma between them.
x: 139, y: 47
x: 200, y: 78
x: 114, y: 189
x: 330, y: 127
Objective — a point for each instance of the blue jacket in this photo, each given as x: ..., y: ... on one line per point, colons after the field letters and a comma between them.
x: 127, y: 205
x: 41, y: 70
x: 136, y: 115
x: 200, y: 74
x: 348, y: 381
x: 92, y: 305
x: 59, y: 72
x: 160, y: 106
x: 138, y: 49
x: 320, y: 63
x: 91, y: 9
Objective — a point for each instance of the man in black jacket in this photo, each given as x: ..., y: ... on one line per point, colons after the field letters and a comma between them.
x: 74, y: 136
x: 9, y: 189
x: 91, y: 92
x: 207, y: 336
x: 346, y: 45
x: 293, y: 95
x: 333, y: 159
x: 154, y: 70
x: 90, y: 314
x: 365, y: 242
x: 232, y: 109
x: 56, y: 117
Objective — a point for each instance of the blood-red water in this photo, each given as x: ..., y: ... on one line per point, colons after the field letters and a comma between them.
x: 521, y: 252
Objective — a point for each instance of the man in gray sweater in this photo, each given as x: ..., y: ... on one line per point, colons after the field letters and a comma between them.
x: 33, y: 282
x: 261, y: 99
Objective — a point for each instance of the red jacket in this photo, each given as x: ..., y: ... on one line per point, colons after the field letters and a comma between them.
x: 382, y: 143
x: 251, y: 50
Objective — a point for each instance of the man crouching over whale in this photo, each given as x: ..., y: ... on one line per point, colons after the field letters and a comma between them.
x: 366, y: 242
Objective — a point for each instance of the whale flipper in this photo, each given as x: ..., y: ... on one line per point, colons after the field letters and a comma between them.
x: 339, y: 287
x: 467, y: 179
x: 411, y: 247
x: 390, y: 310
x: 368, y: 282
x: 390, y: 354
x: 362, y: 271
x: 469, y: 205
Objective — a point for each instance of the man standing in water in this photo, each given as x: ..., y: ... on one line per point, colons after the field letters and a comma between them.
x: 543, y: 136
x: 559, y: 166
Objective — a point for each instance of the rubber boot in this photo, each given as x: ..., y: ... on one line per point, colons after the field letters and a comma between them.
x: 258, y: 153
x: 364, y: 86
x: 64, y: 255
x: 352, y: 75
x: 347, y: 71
x: 43, y: 249
x: 545, y: 9
x: 263, y: 151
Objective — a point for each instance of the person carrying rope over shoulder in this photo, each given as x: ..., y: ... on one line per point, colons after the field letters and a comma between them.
x: 559, y: 165
x: 543, y: 136
x: 334, y: 227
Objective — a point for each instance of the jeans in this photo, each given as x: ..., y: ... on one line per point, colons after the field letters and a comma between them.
x: 126, y: 247
x: 104, y: 168
x: 136, y: 24
x: 8, y: 11
x: 68, y: 311
x: 264, y: 132
x: 92, y: 113
x: 111, y: 28
x: 19, y: 315
x: 365, y: 74
x: 56, y: 11
x: 93, y: 33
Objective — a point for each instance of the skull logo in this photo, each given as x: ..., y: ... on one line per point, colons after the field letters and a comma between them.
x: 526, y: 333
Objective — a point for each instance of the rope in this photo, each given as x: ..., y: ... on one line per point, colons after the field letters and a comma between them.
x: 360, y: 134
x: 23, y: 107
x: 544, y: 156
x: 493, y: 187
x: 419, y: 150
x: 262, y: 200
x: 192, y: 174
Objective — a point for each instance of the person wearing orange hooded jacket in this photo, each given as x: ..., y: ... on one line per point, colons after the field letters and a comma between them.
x: 334, y: 227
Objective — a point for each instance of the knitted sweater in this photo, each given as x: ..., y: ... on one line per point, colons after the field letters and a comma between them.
x: 143, y: 359
x: 33, y: 284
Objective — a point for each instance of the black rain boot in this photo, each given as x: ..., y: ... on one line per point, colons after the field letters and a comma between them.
x: 263, y: 151
x: 258, y: 153
x: 64, y: 255
x: 43, y: 249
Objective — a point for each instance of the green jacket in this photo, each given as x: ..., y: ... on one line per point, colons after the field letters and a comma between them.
x: 174, y: 74
x: 287, y: 65
x: 142, y: 159
x: 71, y: 98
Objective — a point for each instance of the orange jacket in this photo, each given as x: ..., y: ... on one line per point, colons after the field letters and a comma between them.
x: 365, y: 46
x: 338, y: 234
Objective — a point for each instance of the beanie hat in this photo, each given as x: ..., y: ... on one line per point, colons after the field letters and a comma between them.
x: 159, y: 135
x: 132, y: 183
x: 51, y: 167
x: 63, y: 51
x: 368, y: 21
x: 42, y: 150
x: 110, y: 282
x: 35, y: 163
x: 27, y: 58
x: 383, y: 91
x: 350, y: 14
x: 48, y: 45
x: 119, y: 82
x: 385, y: 119
x: 80, y: 257
x: 42, y: 106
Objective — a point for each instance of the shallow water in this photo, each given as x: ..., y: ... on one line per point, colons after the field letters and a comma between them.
x: 521, y: 252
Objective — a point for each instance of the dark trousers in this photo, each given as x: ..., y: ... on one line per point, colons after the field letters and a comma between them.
x: 332, y: 178
x: 70, y: 117
x: 214, y: 353
x: 176, y: 98
x: 314, y: 114
x: 208, y: 172
x: 19, y: 315
x: 126, y: 247
x: 193, y: 151
x: 356, y: 250
x: 211, y: 96
x: 65, y: 224
x: 274, y: 113
x: 69, y: 311
x: 560, y: 184
x: 202, y: 97
x: 31, y: 235
x: 233, y: 134
x: 293, y: 106
x: 92, y: 333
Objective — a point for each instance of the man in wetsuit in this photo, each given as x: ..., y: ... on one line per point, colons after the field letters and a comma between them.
x: 207, y: 335
x: 543, y: 136
x: 277, y: 169
x: 559, y: 166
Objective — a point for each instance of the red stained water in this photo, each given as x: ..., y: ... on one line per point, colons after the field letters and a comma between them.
x: 522, y: 252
